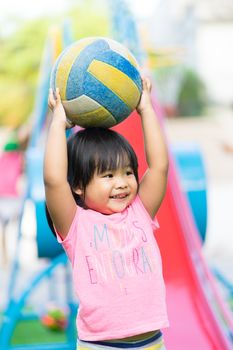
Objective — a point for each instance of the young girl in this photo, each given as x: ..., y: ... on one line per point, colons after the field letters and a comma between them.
x: 103, y: 217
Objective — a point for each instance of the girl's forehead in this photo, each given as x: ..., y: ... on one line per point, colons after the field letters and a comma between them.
x: 115, y: 170
x: 119, y: 165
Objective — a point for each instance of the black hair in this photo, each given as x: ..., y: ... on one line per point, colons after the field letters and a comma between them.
x: 98, y: 150
x: 49, y: 220
x: 95, y: 150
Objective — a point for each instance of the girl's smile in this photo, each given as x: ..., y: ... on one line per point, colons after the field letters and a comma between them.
x: 110, y: 192
x: 120, y: 196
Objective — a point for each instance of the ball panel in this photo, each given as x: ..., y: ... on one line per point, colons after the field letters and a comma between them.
x: 119, y: 62
x: 66, y: 63
x: 118, y: 48
x: 123, y: 51
x: 80, y: 105
x: 80, y: 65
x: 116, y: 81
x: 105, y: 97
x: 132, y: 60
x: 98, y: 117
x: 54, y: 70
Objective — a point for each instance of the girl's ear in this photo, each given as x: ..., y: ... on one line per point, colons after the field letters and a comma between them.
x: 79, y: 191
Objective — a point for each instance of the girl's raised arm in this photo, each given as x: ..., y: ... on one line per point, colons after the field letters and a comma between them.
x: 153, y: 185
x: 59, y: 198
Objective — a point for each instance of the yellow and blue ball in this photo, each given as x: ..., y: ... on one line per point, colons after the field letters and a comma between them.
x: 99, y: 82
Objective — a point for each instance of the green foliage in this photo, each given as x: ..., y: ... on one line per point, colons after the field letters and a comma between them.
x: 20, y: 57
x: 21, y: 54
x: 89, y: 20
x: 192, y: 98
x: 33, y: 332
x: 16, y: 102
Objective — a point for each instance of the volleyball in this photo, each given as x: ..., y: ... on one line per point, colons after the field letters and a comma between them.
x: 99, y: 82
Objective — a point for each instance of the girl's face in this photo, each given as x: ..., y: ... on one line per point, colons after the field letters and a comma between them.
x: 110, y: 192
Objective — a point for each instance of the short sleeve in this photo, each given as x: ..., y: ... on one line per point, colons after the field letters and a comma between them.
x: 154, y: 222
x: 70, y: 240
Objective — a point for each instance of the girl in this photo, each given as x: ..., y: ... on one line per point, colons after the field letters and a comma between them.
x: 103, y: 217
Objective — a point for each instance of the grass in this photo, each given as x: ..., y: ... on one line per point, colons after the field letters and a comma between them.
x: 33, y: 332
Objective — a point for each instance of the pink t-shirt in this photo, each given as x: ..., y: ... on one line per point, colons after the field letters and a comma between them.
x: 117, y: 273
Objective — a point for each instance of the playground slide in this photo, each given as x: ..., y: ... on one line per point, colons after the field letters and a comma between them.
x: 198, y: 317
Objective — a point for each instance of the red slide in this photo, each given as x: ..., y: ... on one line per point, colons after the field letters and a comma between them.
x: 198, y: 317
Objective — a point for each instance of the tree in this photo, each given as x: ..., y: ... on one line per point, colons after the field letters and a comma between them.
x: 21, y: 53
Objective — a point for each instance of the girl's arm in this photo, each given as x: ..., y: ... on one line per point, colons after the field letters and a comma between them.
x: 59, y: 198
x: 153, y: 185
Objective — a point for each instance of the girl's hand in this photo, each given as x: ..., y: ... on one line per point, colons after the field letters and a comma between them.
x: 55, y: 104
x: 145, y: 100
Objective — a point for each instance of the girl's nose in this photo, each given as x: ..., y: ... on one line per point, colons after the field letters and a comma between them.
x: 120, y: 182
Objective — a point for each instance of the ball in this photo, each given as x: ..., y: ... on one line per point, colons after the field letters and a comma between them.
x: 55, y: 320
x: 99, y: 82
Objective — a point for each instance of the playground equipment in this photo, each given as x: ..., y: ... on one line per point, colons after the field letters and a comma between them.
x: 190, y: 167
x: 226, y: 283
x: 11, y: 163
x: 47, y: 245
x: 198, y: 317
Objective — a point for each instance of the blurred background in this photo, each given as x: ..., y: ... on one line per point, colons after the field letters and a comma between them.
x: 189, y: 52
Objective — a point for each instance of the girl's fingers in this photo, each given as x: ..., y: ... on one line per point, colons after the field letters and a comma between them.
x: 69, y: 124
x: 146, y: 83
x: 149, y: 85
x: 143, y: 83
x: 58, y: 97
x: 53, y: 98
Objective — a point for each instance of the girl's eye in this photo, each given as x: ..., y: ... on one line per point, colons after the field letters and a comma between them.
x: 108, y: 175
x: 129, y: 172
